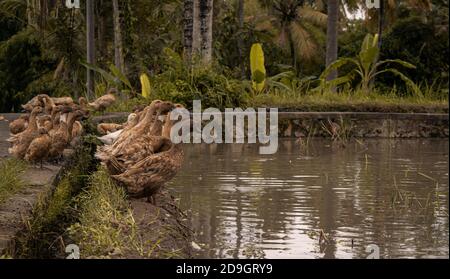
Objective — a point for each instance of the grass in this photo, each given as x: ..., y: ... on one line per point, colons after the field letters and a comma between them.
x: 348, y: 101
x: 10, y: 181
x: 106, y: 226
x: 105, y: 220
x: 355, y: 101
x: 54, y: 212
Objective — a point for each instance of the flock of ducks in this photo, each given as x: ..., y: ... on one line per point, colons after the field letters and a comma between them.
x: 139, y: 154
x: 51, y: 125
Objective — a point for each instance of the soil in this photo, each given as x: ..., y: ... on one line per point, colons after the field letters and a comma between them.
x: 163, y: 223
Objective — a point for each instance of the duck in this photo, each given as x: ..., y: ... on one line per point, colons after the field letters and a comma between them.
x: 22, y: 140
x: 39, y: 148
x: 19, y: 125
x: 63, y: 136
x: 146, y: 177
x: 48, y: 103
x: 44, y: 121
x: 34, y: 102
x: 164, y: 108
x: 148, y: 126
x: 106, y: 128
x: 110, y: 138
x: 57, y: 112
x: 102, y: 103
x: 117, y: 158
x: 128, y: 135
x: 77, y: 132
x: 63, y: 101
x: 37, y: 101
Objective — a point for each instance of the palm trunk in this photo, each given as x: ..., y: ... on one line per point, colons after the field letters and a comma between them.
x: 118, y: 48
x: 188, y: 28
x: 332, y: 36
x: 292, y: 50
x: 240, y: 42
x: 90, y: 45
x: 206, y: 24
x: 197, y: 37
x: 101, y: 30
x: 380, y: 23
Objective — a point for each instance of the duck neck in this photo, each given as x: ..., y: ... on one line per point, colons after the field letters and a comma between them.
x: 56, y: 119
x: 147, y: 119
x: 32, y: 123
x: 167, y: 127
x: 72, y: 119
x: 83, y: 102
x: 49, y: 104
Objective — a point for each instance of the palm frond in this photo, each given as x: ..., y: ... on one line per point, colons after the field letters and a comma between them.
x: 313, y: 16
x: 303, y: 41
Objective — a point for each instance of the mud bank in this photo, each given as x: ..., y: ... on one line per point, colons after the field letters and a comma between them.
x: 364, y: 124
x: 357, y: 124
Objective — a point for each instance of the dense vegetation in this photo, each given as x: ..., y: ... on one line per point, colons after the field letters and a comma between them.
x: 43, y: 46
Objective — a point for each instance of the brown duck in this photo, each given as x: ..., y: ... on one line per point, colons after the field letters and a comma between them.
x: 39, y: 147
x: 142, y: 145
x: 130, y: 134
x: 148, y: 175
x: 22, y: 140
x: 62, y: 137
x: 19, y: 125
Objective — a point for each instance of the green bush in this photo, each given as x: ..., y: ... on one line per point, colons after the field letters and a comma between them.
x: 21, y: 63
x: 181, y: 83
x: 414, y: 40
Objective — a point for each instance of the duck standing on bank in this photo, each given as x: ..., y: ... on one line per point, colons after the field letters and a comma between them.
x: 147, y: 175
x: 22, y: 140
x: 39, y: 148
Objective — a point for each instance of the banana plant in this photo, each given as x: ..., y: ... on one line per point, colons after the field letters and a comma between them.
x: 367, y: 68
x: 113, y: 78
x: 145, y: 84
x: 257, y: 68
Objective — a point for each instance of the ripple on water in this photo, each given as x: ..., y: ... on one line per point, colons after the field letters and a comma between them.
x: 244, y: 205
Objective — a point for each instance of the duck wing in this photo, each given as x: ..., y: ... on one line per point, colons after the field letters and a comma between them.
x: 152, y: 172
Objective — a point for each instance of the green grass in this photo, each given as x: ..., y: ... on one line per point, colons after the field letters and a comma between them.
x: 10, y: 181
x: 106, y: 227
x: 55, y: 211
x: 106, y: 223
x: 350, y: 101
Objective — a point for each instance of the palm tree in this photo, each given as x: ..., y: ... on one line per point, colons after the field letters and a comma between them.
x: 188, y: 29
x: 118, y: 49
x: 332, y: 35
x: 90, y: 45
x: 297, y: 23
x: 240, y: 16
x: 198, y: 22
x: 206, y: 24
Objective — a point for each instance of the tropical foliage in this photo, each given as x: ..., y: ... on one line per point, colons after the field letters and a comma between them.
x: 42, y: 49
x: 367, y: 67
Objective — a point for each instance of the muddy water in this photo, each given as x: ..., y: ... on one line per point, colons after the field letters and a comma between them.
x: 323, y: 201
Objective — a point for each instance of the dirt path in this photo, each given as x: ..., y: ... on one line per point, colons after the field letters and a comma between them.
x: 18, y: 208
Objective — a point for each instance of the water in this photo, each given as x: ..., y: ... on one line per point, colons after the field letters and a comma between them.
x: 392, y: 193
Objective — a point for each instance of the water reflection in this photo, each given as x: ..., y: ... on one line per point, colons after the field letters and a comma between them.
x: 390, y: 193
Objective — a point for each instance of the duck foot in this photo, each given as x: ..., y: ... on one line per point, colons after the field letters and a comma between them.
x: 42, y: 167
x: 152, y: 200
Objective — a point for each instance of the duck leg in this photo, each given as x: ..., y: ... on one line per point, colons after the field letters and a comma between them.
x: 152, y: 200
